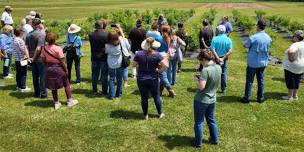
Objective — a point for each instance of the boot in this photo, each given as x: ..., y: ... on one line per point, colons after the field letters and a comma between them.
x: 171, y: 92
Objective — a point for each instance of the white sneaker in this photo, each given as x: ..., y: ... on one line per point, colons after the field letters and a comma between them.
x: 8, y: 77
x: 57, y: 105
x: 287, y: 98
x: 72, y: 103
x: 146, y: 117
x: 18, y: 89
x: 25, y: 89
x: 161, y: 115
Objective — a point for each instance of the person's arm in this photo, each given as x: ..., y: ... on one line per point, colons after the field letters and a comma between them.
x: 291, y: 56
x: 135, y: 64
x: 163, y: 65
x: 229, y: 52
x: 64, y: 66
x: 203, y: 42
x: 37, y: 53
x: 78, y: 42
x: 181, y: 42
x: 24, y: 49
x: 201, y: 84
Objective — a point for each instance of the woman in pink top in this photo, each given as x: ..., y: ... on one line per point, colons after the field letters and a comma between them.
x: 56, y: 70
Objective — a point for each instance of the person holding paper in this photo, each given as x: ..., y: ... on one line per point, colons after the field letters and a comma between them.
x: 21, y: 56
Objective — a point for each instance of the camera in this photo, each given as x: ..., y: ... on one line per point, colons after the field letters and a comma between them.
x: 113, y: 25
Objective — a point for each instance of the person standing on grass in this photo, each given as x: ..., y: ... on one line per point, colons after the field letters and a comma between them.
x: 205, y: 37
x: 6, y: 18
x: 21, y: 59
x: 74, y: 54
x: 175, y: 46
x: 182, y: 34
x: 136, y: 36
x: 221, y: 46
x: 163, y: 50
x: 205, y: 99
x: 294, y: 65
x: 114, y: 49
x: 227, y: 25
x: 34, y: 42
x: 257, y: 59
x: 161, y: 21
x: 6, y: 46
x: 126, y: 49
x: 98, y: 40
x: 150, y: 64
x: 56, y: 71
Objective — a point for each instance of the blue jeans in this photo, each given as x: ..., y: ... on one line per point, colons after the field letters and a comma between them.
x: 171, y: 71
x: 38, y: 72
x: 164, y: 80
x: 100, y: 68
x: 21, y: 72
x: 250, y: 72
x: 125, y: 74
x: 201, y: 111
x: 6, y: 69
x: 115, y: 73
x: 224, y: 76
x: 152, y: 86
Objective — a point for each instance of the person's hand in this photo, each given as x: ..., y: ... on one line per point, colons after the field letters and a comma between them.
x: 30, y: 60
x: 157, y: 70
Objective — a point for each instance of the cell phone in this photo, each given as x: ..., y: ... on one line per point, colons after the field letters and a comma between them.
x: 197, y: 76
x: 113, y: 25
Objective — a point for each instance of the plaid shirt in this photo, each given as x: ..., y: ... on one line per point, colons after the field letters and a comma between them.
x: 18, y: 49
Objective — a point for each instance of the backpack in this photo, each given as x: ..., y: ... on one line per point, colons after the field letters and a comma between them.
x: 172, y: 50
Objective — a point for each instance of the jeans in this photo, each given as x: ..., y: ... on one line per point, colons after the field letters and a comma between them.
x: 38, y: 72
x: 6, y: 69
x: 125, y: 74
x: 21, y: 72
x: 100, y: 67
x: 164, y: 80
x: 201, y: 111
x: 152, y: 86
x: 250, y: 72
x: 171, y: 71
x: 224, y: 76
x: 70, y: 57
x: 115, y: 73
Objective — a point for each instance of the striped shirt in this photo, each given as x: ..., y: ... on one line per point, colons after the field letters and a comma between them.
x: 18, y: 49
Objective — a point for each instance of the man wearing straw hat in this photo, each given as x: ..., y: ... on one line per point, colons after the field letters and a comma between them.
x: 6, y: 18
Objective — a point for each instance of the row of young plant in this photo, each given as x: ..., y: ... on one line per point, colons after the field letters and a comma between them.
x: 126, y: 18
x: 193, y: 27
x: 247, y: 25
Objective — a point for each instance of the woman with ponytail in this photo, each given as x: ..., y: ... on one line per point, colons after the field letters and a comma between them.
x: 150, y: 64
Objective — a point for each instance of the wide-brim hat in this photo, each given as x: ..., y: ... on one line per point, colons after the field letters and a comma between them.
x: 73, y: 29
x: 299, y: 34
x: 8, y: 8
x: 150, y: 43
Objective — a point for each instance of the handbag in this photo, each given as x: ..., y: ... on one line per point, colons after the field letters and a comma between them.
x: 125, y: 59
x: 69, y: 48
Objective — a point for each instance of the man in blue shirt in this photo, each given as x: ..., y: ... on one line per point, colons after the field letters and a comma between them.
x: 221, y: 45
x: 257, y: 59
x: 227, y: 25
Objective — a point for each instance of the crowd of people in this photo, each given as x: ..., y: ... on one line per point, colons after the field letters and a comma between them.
x: 156, y: 59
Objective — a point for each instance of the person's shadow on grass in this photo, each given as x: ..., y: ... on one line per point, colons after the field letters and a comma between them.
x: 129, y: 115
x: 40, y: 103
x: 173, y: 141
x: 21, y: 95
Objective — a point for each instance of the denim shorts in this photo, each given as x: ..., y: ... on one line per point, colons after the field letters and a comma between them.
x: 292, y: 80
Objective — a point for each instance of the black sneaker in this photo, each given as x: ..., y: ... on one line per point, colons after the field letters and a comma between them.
x: 196, y: 146
x: 243, y: 100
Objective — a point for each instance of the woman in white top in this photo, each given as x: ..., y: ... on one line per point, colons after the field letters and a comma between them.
x: 294, y: 65
x: 6, y: 18
x: 114, y: 50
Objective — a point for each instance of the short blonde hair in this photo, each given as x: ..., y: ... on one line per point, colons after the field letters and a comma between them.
x: 7, y: 29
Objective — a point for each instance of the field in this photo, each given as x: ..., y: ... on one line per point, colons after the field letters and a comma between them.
x: 97, y: 124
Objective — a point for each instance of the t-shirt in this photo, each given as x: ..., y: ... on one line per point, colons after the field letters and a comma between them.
x: 212, y: 75
x: 56, y: 51
x: 18, y: 49
x: 28, y: 28
x: 221, y: 44
x: 296, y: 66
x: 137, y: 36
x: 206, y: 34
x: 7, y: 18
x: 147, y: 65
x: 34, y: 40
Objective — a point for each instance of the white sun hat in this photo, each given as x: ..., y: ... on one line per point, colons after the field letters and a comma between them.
x: 150, y: 43
x: 73, y: 29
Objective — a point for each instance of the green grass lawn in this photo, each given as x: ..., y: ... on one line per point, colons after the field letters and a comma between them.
x: 97, y: 124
